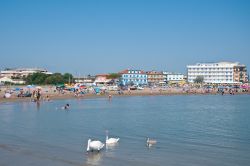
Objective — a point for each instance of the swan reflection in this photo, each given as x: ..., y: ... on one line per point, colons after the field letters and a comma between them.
x: 94, y: 158
x: 111, y: 146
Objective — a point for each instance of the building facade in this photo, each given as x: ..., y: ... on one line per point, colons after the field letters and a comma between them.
x: 173, y: 77
x: 101, y: 79
x: 136, y: 77
x: 240, y: 74
x: 4, y: 79
x: 87, y: 80
x: 22, y: 72
x: 155, y: 78
x: 221, y: 72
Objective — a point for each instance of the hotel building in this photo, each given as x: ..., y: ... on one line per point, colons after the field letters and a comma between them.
x: 155, y: 77
x: 173, y: 77
x: 136, y: 77
x: 221, y: 72
x: 240, y: 73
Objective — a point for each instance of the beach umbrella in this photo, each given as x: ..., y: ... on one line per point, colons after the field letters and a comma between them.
x: 17, y: 89
x: 7, y: 95
x: 38, y: 87
x: 29, y: 86
x: 244, y: 86
x: 83, y: 87
x: 97, y: 90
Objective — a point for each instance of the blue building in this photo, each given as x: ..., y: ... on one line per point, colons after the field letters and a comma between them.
x: 136, y: 77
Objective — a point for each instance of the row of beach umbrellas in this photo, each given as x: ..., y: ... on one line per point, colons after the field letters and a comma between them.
x: 8, y: 94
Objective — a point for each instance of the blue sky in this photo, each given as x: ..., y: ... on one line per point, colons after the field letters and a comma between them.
x: 90, y: 37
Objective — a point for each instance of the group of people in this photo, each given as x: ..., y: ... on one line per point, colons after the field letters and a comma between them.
x: 230, y: 91
x: 36, y: 95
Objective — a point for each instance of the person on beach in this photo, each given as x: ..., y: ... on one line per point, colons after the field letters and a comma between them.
x: 110, y: 97
x: 222, y: 92
x: 38, y: 95
x: 34, y: 96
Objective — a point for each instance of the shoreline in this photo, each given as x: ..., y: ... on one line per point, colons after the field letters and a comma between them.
x: 113, y: 93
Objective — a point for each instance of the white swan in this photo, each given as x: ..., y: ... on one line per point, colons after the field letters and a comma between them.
x: 151, y: 142
x: 111, y: 140
x: 94, y: 145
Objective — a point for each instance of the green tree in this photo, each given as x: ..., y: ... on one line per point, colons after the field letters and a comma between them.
x: 36, y: 78
x: 41, y: 78
x: 113, y: 76
x: 55, y: 78
x: 199, y: 79
x: 67, y: 77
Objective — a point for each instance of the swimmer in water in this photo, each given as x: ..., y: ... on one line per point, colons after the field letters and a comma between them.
x: 66, y: 107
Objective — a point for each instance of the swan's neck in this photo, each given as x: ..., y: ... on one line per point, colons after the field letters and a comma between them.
x: 148, y: 142
x: 107, y: 137
x: 88, y: 145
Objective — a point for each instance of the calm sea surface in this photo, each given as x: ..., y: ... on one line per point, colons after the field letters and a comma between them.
x: 190, y: 130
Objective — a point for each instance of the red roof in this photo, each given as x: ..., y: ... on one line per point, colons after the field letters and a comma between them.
x: 154, y: 73
x: 103, y: 75
x: 127, y: 70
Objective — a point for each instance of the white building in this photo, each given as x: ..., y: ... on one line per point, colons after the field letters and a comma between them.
x: 22, y: 72
x: 173, y: 77
x: 221, y: 72
x: 101, y: 79
x: 4, y: 80
x: 86, y: 80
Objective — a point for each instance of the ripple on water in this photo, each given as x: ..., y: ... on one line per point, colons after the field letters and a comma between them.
x: 190, y: 130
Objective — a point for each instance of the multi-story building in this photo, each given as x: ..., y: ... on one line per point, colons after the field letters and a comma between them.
x: 240, y: 73
x: 102, y: 79
x: 136, y: 77
x: 221, y: 72
x: 173, y: 77
x: 22, y: 72
x: 86, y: 80
x: 155, y: 77
x: 8, y: 80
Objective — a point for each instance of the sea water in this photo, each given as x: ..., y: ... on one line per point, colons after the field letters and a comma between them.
x: 190, y: 130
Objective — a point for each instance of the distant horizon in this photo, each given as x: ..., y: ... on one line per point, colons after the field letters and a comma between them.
x: 91, y: 37
x: 184, y: 73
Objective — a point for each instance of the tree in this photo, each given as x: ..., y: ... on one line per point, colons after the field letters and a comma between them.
x: 36, y: 78
x: 199, y: 79
x: 113, y: 76
x: 41, y: 78
x: 67, y: 77
x: 56, y: 78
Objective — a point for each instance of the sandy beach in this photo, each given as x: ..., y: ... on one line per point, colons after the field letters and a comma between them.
x: 53, y: 94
